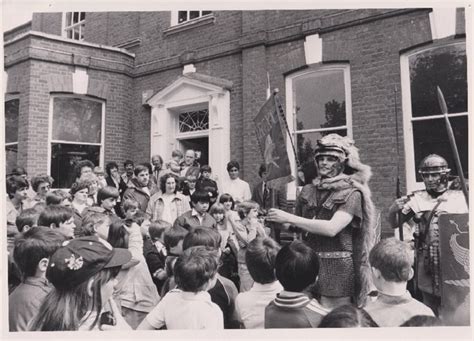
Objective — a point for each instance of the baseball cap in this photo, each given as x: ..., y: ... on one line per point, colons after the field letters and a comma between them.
x: 79, y: 259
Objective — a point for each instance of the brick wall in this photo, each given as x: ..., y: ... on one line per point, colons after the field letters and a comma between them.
x: 48, y: 23
x: 373, y: 54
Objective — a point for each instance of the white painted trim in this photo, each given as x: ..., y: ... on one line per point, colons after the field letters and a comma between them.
x: 291, y: 113
x: 410, y: 167
x: 175, y: 17
x: 66, y: 40
x: 443, y: 22
x: 313, y: 49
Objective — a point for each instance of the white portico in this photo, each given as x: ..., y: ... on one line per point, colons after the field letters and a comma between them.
x: 193, y: 112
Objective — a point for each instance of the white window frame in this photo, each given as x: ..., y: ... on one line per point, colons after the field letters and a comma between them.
x: 291, y: 112
x: 66, y: 28
x: 408, y: 120
x: 50, y: 129
x: 175, y: 17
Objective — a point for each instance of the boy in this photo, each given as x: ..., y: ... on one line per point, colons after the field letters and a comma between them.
x: 173, y: 239
x: 130, y: 208
x: 391, y: 262
x: 189, y: 306
x: 27, y: 219
x: 174, y: 164
x: 58, y: 217
x: 32, y: 251
x: 155, y: 253
x: 17, y: 190
x: 260, y: 259
x: 224, y: 291
x: 206, y: 184
x: 58, y: 197
x: 94, y: 223
x: 198, y: 215
x: 297, y: 267
x: 107, y: 199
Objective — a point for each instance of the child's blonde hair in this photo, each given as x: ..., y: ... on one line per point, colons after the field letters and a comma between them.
x: 245, y: 207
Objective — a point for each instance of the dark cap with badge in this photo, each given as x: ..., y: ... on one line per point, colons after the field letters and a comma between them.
x: 79, y: 259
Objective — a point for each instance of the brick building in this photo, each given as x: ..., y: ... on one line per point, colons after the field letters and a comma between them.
x: 126, y: 85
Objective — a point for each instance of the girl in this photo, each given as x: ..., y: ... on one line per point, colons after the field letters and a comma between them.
x: 246, y: 229
x: 135, y: 288
x: 229, y: 245
x: 82, y: 272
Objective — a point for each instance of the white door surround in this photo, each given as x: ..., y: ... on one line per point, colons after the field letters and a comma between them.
x: 193, y: 92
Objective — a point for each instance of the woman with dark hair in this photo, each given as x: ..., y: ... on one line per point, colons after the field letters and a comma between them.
x: 41, y: 184
x: 167, y: 204
x: 114, y: 179
x: 347, y: 316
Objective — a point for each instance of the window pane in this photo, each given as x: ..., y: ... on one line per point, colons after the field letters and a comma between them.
x: 193, y: 14
x: 76, y: 17
x: 77, y: 120
x: 182, y: 16
x: 206, y: 12
x: 68, y: 18
x: 320, y: 100
x: 82, y: 31
x: 76, y: 33
x: 431, y: 137
x: 12, y: 109
x: 83, y: 16
x: 69, y: 34
x: 11, y: 155
x: 305, y: 144
x: 194, y: 121
x: 65, y: 156
x: 444, y: 67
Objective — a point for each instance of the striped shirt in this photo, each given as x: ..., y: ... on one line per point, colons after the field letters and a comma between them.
x: 293, y: 310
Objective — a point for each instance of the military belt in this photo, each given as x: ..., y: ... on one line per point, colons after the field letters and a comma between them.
x: 335, y: 254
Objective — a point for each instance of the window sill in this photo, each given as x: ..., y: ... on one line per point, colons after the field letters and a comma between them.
x: 188, y: 25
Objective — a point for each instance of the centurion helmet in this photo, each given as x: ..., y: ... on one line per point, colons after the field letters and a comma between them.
x: 433, y: 165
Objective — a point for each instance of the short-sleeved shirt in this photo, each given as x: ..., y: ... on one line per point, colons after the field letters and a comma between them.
x: 186, y: 310
x: 392, y: 311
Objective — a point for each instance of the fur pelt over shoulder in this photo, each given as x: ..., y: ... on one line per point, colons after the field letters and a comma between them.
x: 357, y: 175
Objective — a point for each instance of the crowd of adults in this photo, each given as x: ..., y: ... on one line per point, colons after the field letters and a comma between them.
x: 167, y: 245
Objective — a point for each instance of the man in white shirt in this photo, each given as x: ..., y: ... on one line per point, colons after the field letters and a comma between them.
x: 239, y: 189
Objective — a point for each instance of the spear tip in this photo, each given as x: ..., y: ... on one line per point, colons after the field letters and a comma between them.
x: 442, y: 102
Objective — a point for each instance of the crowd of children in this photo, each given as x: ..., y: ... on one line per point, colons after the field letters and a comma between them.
x: 105, y: 259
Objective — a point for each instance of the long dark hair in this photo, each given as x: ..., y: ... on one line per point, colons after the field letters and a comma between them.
x: 65, y: 309
x: 118, y: 235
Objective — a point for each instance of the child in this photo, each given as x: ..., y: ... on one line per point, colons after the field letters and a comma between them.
x: 155, y: 253
x: 224, y: 291
x: 107, y: 199
x: 296, y: 268
x: 189, y: 306
x: 246, y: 229
x: 94, y: 223
x: 58, y: 197
x: 27, y: 219
x: 134, y: 287
x: 32, y: 251
x: 173, y: 239
x: 59, y: 217
x: 130, y: 208
x: 347, y: 316
x: 229, y: 245
x: 206, y: 184
x: 260, y: 260
x: 17, y: 190
x: 82, y: 272
x: 174, y: 164
x: 198, y: 215
x: 391, y: 261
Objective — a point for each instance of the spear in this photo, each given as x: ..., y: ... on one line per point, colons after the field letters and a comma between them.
x: 452, y: 142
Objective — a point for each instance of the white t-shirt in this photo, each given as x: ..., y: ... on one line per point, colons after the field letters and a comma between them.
x: 239, y: 189
x: 250, y: 305
x: 186, y: 310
